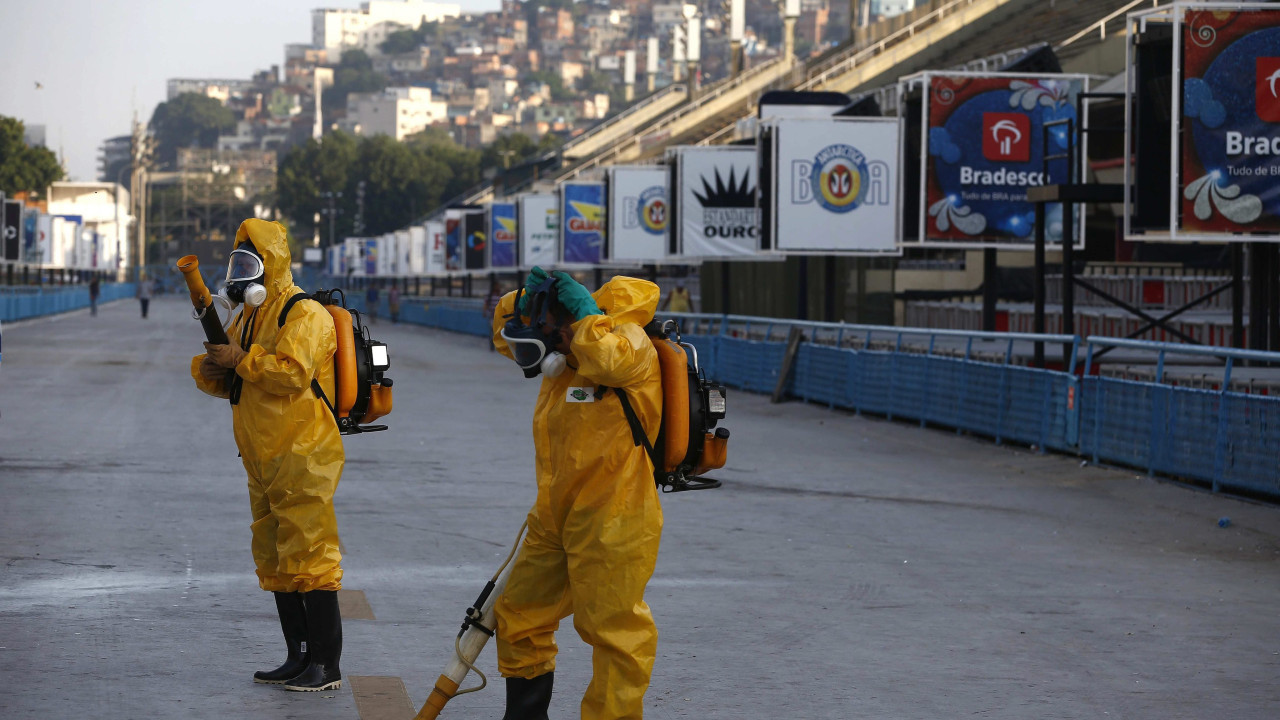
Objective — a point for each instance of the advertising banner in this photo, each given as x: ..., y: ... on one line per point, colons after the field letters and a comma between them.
x: 582, y: 223
x: 539, y: 226
x: 716, y: 214
x: 638, y: 214
x: 473, y: 231
x: 371, y: 256
x: 436, y: 258
x: 404, y: 245
x: 1229, y: 125
x: 44, y: 239
x: 12, y: 229
x: 984, y: 148
x: 454, y: 241
x: 416, y: 254
x: 354, y: 257
x: 834, y: 185
x: 503, y: 234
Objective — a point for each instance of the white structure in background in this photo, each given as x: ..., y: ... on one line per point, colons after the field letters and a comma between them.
x: 889, y: 8
x: 398, y: 112
x: 336, y: 28
x: 99, y: 241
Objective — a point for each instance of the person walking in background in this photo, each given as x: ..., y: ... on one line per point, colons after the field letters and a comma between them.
x: 393, y: 303
x: 678, y: 299
x: 371, y: 301
x: 94, y: 288
x: 144, y: 295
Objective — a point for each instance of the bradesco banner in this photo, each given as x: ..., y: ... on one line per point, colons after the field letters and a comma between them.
x: 835, y: 185
x: 985, y: 148
x: 436, y: 262
x: 716, y: 202
x: 638, y: 214
x: 502, y: 235
x: 1229, y: 176
x: 582, y: 223
x: 539, y: 226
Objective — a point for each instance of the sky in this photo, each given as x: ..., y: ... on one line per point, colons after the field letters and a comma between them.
x: 100, y: 62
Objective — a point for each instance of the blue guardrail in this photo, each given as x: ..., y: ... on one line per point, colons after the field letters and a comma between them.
x: 18, y: 303
x: 1229, y: 440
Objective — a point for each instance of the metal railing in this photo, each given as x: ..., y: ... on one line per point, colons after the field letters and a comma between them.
x: 612, y: 122
x: 818, y: 75
x: 18, y: 303
x: 1101, y: 25
x: 1220, y: 436
x: 976, y: 382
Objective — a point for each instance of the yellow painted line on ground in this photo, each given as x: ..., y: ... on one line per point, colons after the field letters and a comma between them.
x: 381, y: 698
x: 354, y: 605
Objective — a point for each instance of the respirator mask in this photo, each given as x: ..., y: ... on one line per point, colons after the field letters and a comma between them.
x: 534, y: 346
x: 244, y: 277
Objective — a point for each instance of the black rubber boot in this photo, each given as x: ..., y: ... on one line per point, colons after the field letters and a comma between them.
x: 529, y: 699
x: 324, y: 643
x: 293, y: 621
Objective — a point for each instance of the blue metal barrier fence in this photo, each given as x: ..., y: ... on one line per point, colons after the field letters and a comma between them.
x: 976, y: 382
x: 17, y: 303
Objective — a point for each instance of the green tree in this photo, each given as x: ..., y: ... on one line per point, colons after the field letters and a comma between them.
x: 508, y: 151
x: 400, y: 41
x: 355, y: 74
x: 313, y: 168
x: 189, y: 120
x: 22, y: 168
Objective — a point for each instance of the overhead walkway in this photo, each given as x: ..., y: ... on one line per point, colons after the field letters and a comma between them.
x: 962, y: 33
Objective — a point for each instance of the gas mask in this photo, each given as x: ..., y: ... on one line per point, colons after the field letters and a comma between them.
x: 244, y: 277
x: 535, y: 346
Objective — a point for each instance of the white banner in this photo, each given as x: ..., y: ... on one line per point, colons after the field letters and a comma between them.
x: 435, y: 248
x: 716, y: 202
x: 835, y: 185
x: 400, y: 264
x: 416, y: 257
x: 639, y: 210
x: 539, y: 226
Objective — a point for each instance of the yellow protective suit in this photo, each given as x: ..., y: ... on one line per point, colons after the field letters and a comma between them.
x: 594, y: 528
x: 288, y: 440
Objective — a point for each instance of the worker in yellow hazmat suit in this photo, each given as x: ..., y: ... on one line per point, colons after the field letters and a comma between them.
x: 290, y: 446
x: 594, y: 528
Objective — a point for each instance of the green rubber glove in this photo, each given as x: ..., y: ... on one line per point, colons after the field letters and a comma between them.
x: 536, y: 277
x: 574, y: 297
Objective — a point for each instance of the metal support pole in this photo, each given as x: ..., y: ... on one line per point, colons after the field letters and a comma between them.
x: 1068, y: 278
x: 990, y: 289
x: 1038, y: 326
x: 1258, y: 267
x: 1273, y: 298
x: 829, y: 288
x: 1237, y: 295
x: 802, y: 290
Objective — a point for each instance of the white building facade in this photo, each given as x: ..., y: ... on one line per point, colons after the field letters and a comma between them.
x: 336, y: 28
x: 398, y: 112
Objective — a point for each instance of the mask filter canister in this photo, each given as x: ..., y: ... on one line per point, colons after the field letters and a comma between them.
x: 554, y: 364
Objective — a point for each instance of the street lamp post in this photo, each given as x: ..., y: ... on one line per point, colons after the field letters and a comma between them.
x: 331, y: 209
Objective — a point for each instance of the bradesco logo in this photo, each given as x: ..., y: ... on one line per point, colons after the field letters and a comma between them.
x: 1006, y: 137
x: 1267, y: 89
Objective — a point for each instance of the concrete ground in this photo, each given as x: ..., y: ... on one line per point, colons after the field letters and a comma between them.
x: 850, y: 567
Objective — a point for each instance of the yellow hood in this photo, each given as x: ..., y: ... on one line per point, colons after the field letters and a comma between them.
x: 272, y: 243
x: 628, y: 300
